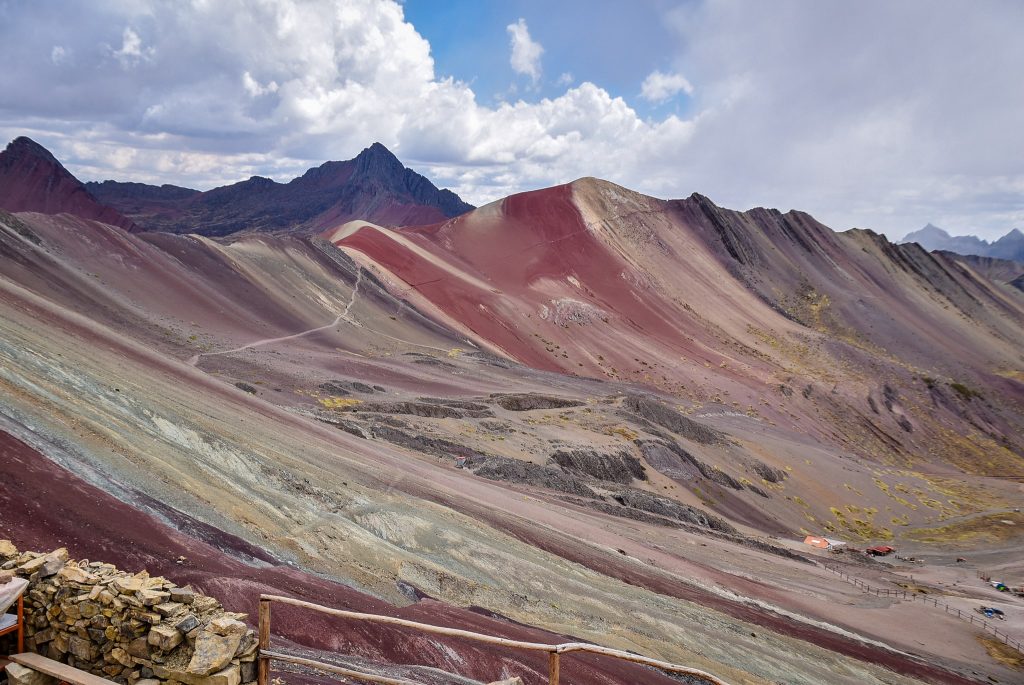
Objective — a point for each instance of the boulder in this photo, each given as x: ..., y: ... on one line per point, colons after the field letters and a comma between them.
x: 213, y: 652
x: 7, y: 550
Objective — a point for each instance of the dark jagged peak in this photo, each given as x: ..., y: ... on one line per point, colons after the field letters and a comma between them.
x: 374, y: 186
x: 32, y: 180
x: 24, y: 147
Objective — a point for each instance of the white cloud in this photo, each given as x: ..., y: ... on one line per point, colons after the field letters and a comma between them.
x: 526, y: 52
x: 565, y: 79
x: 792, y: 106
x: 59, y: 55
x: 658, y: 87
x: 131, y: 51
x: 255, y: 88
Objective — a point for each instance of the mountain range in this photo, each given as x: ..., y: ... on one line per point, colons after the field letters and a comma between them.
x: 532, y: 418
x: 1010, y: 246
x: 374, y: 186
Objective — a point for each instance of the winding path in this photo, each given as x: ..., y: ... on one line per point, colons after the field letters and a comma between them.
x: 343, y: 316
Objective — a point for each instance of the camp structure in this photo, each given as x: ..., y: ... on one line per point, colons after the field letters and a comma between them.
x: 823, y: 543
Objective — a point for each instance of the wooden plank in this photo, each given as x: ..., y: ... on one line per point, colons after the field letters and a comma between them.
x: 38, y: 662
x: 553, y: 668
x: 263, y: 672
x: 504, y: 642
x: 425, y: 627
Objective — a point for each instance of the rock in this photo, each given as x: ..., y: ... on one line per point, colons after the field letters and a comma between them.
x: 182, y: 594
x: 187, y: 624
x: 59, y: 643
x: 139, y: 648
x: 128, y: 585
x: 121, y: 656
x: 201, y: 604
x: 77, y: 575
x: 164, y: 637
x: 44, y: 636
x: 31, y: 566
x: 228, y: 676
x: 53, y: 562
x: 146, y: 616
x: 247, y: 647
x: 227, y: 626
x: 152, y: 597
x: 249, y: 671
x: 213, y: 652
x: 6, y: 577
x: 7, y: 549
x: 148, y: 681
x: 88, y: 609
x: 81, y: 649
x: 19, y: 675
x: 169, y: 608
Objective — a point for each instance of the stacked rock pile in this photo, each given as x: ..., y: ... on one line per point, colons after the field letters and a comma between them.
x: 130, y: 628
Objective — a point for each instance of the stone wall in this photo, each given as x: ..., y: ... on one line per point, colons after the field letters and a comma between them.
x: 129, y: 628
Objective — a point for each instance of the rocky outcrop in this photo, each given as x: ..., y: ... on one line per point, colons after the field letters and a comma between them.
x: 130, y: 628
x: 678, y: 464
x: 619, y: 467
x: 662, y: 415
x: 528, y: 473
x: 670, y: 509
x: 531, y: 401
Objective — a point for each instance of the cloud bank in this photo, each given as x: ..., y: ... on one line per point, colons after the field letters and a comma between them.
x: 884, y: 115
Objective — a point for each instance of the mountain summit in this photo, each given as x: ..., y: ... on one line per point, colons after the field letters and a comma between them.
x: 32, y: 180
x: 374, y: 186
x: 931, y: 237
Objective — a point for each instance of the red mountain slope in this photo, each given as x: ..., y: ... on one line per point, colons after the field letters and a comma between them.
x: 32, y: 180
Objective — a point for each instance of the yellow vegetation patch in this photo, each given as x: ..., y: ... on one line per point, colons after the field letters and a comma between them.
x: 339, y: 402
x: 455, y: 352
x: 991, y: 528
x: 623, y: 432
x: 1004, y: 654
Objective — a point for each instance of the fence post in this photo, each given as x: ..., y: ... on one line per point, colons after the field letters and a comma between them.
x: 264, y: 642
x: 553, y: 668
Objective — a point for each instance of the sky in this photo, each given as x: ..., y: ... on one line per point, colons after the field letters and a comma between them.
x: 876, y: 114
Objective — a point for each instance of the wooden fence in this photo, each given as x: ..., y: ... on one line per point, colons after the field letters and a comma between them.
x: 555, y: 652
x: 915, y: 596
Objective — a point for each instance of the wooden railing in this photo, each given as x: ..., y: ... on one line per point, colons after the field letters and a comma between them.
x: 554, y: 651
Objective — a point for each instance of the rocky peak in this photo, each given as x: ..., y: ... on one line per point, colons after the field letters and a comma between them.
x: 32, y: 180
x: 23, y: 148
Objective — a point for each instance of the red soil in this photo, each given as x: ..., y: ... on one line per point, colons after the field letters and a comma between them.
x: 46, y: 506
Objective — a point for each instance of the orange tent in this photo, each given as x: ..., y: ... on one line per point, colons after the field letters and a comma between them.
x: 815, y: 541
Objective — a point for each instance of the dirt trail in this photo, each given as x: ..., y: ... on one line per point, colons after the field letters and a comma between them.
x: 343, y: 316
